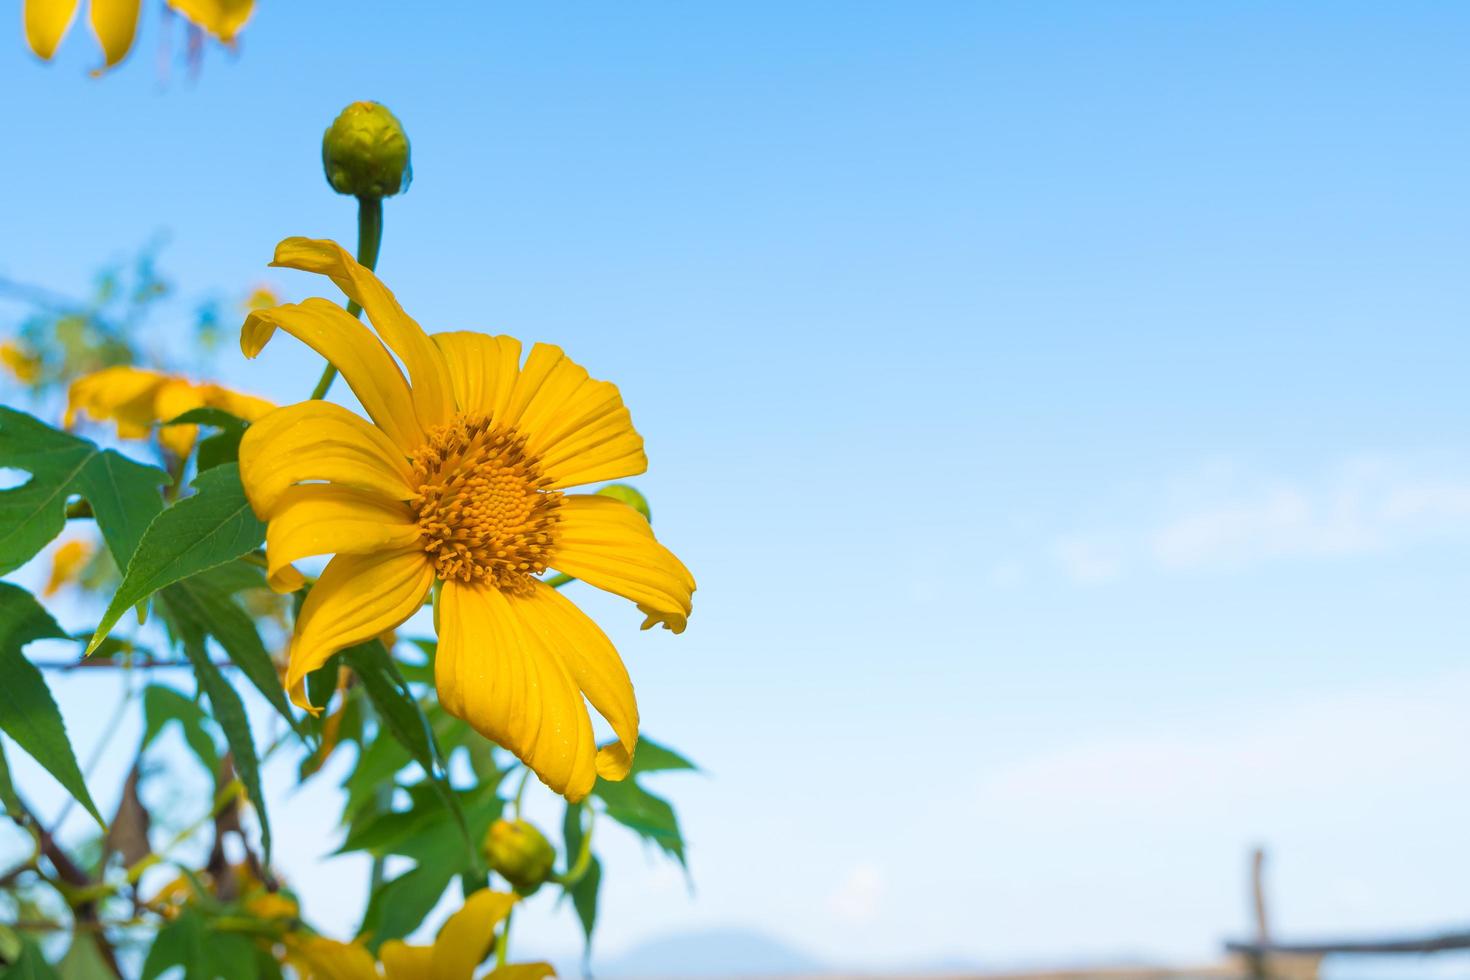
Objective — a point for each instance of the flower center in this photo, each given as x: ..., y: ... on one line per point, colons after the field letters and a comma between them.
x: 482, y: 504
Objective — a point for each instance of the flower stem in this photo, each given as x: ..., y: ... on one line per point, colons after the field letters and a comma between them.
x: 369, y: 240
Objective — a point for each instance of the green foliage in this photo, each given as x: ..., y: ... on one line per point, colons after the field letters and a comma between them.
x: 650, y: 817
x: 123, y: 494
x: 220, y: 448
x: 28, y: 713
x: 204, y: 953
x: 213, y: 526
x: 229, y: 712
x: 162, y: 705
x: 654, y: 757
x: 31, y: 965
x: 207, y: 601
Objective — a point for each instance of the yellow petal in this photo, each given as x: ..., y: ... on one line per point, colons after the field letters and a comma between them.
x: 521, y: 971
x: 115, y: 22
x: 365, y: 365
x: 327, y: 519
x: 67, y: 563
x: 465, y: 937
x: 433, y: 392
x: 483, y: 369
x: 221, y: 18
x: 576, y: 425
x: 606, y: 543
x: 171, y: 399
x: 497, y: 670
x: 47, y: 22
x: 123, y: 394
x: 246, y: 407
x: 404, y: 962
x: 357, y: 598
x: 317, y: 958
x: 318, y: 441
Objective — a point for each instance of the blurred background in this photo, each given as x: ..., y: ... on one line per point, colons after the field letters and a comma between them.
x: 1061, y: 406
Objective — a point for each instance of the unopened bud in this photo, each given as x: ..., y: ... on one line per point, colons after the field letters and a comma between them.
x: 365, y: 152
x: 520, y: 854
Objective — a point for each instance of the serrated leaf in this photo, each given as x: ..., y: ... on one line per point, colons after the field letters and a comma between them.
x: 402, y: 717
x: 124, y: 495
x: 28, y: 713
x: 650, y: 817
x: 653, y: 757
x: 228, y: 711
x: 213, y: 526
x: 164, y: 704
x: 217, y: 612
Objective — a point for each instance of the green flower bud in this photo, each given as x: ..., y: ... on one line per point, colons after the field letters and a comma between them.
x: 629, y: 496
x: 365, y: 152
x: 520, y: 854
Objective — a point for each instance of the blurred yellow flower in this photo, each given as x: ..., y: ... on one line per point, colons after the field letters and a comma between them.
x: 138, y: 399
x: 260, y: 297
x: 462, y: 944
x: 461, y: 479
x: 67, y: 563
x: 115, y: 22
x: 22, y: 364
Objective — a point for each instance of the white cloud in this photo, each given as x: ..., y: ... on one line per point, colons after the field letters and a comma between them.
x: 1229, y: 517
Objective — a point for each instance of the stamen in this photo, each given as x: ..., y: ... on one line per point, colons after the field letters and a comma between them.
x: 483, y: 506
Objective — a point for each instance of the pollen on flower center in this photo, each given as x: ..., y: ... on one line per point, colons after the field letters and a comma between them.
x: 482, y: 504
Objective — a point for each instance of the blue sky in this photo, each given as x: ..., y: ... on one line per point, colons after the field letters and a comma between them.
x: 1061, y: 406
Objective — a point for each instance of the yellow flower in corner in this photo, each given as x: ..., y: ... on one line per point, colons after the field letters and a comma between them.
x: 462, y: 944
x: 461, y: 478
x: 115, y: 22
x: 138, y: 399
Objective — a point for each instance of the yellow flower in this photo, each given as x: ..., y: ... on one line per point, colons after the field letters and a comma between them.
x: 22, y: 364
x: 115, y: 22
x: 67, y: 563
x: 138, y: 399
x: 462, y: 944
x: 461, y: 479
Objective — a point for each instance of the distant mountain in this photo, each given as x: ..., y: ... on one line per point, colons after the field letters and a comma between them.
x: 724, y: 953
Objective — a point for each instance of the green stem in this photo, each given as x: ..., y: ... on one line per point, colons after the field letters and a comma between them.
x: 521, y: 791
x: 369, y: 240
x: 501, y: 948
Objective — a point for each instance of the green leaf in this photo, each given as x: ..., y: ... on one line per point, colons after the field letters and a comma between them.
x: 401, y: 715
x: 228, y: 711
x: 396, y: 706
x: 208, y: 529
x: 216, y: 418
x: 28, y: 713
x: 630, y: 496
x: 8, y: 796
x: 179, y: 943
x: 31, y: 965
x: 215, y: 611
x: 84, y: 961
x: 124, y: 495
x: 399, y: 906
x: 653, y: 757
x: 584, y: 900
x: 223, y: 446
x: 650, y: 817
x: 162, y: 705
